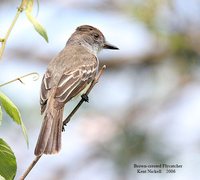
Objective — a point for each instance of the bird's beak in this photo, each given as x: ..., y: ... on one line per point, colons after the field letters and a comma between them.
x: 110, y: 46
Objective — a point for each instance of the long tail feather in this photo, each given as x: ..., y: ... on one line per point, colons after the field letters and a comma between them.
x: 49, y: 141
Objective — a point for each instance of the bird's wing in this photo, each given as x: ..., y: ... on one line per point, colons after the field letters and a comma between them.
x: 71, y: 84
x: 45, y: 90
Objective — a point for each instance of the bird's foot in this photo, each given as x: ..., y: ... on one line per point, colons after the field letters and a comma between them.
x: 63, y: 127
x: 85, y: 97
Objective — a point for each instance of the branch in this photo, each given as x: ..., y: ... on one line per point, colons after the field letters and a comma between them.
x: 30, y: 167
x: 35, y: 77
x: 82, y: 100
x: 4, y: 40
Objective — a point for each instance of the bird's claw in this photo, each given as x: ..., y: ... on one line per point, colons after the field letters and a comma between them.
x: 85, y: 97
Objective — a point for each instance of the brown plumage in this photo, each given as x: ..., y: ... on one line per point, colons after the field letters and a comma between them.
x: 66, y: 76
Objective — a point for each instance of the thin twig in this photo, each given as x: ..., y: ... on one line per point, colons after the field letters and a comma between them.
x: 34, y: 74
x: 82, y: 100
x: 30, y: 167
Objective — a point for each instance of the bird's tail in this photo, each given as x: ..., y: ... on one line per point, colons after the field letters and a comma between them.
x: 49, y: 140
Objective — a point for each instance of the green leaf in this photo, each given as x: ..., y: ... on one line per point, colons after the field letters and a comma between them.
x: 0, y: 115
x: 38, y: 27
x: 8, y: 165
x: 12, y: 110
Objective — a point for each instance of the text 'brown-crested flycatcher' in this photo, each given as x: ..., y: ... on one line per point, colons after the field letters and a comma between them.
x: 67, y: 75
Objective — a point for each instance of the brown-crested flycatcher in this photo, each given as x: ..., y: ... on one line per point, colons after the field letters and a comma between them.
x: 67, y: 75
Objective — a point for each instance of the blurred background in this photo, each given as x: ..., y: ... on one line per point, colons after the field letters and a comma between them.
x: 144, y: 110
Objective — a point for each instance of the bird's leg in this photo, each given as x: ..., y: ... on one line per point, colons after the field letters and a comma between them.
x: 85, y: 97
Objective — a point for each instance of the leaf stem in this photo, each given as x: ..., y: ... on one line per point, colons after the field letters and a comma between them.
x: 36, y: 76
x: 4, y: 40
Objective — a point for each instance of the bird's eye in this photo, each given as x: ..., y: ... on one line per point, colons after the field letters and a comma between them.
x: 96, y: 36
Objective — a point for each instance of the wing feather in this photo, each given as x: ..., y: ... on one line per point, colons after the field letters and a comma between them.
x: 45, y: 87
x: 72, y: 83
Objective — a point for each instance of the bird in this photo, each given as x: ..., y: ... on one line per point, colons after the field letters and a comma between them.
x: 67, y: 75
